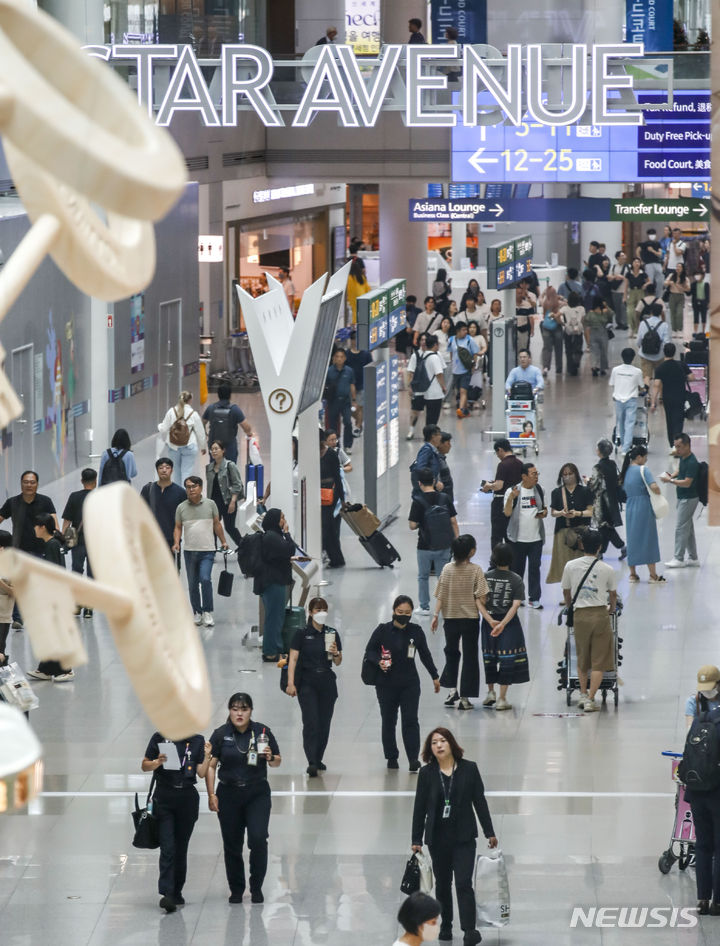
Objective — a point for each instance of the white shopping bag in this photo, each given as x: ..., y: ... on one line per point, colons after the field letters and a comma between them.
x: 426, y: 875
x: 254, y: 452
x: 492, y: 891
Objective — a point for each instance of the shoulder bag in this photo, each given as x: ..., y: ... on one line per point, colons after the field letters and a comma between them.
x: 572, y: 536
x: 146, y: 835
x: 660, y: 505
x: 570, y: 617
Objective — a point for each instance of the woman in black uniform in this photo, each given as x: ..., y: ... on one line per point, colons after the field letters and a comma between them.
x: 176, y: 805
x: 244, y: 749
x: 313, y: 651
x: 393, y: 647
x: 449, y: 794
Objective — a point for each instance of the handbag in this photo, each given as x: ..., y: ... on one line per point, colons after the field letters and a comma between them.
x: 660, y: 505
x: 492, y: 890
x: 225, y: 581
x: 147, y: 835
x: 570, y: 618
x: 410, y: 882
x: 327, y: 496
x: 572, y: 536
x: 610, y: 333
x: 369, y: 672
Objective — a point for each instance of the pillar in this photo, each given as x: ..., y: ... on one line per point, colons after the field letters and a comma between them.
x: 403, y: 245
x: 84, y: 18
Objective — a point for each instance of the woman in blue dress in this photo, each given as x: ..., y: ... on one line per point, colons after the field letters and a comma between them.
x: 640, y: 523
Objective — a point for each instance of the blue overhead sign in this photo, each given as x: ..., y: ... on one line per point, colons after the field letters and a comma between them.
x: 553, y: 208
x: 650, y: 22
x: 673, y: 145
x: 468, y: 17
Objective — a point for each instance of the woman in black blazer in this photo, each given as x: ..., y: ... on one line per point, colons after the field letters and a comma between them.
x: 450, y: 793
x: 392, y: 648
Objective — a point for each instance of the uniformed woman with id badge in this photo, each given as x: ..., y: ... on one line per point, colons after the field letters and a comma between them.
x: 176, y: 804
x: 241, y: 751
x: 449, y: 794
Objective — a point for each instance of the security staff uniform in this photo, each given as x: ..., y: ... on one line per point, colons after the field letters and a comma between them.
x: 316, y: 688
x: 398, y: 689
x: 175, y: 805
x: 243, y: 795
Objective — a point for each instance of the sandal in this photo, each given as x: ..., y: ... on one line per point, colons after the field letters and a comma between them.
x: 657, y: 578
x: 633, y: 578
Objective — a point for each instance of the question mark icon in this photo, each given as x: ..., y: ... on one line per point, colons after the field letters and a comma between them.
x: 280, y: 401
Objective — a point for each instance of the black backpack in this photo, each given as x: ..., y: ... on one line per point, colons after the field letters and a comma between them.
x: 701, y: 482
x: 651, y: 342
x: 222, y: 425
x: 421, y: 380
x: 699, y: 767
x: 436, y: 529
x: 114, y: 470
x: 249, y: 555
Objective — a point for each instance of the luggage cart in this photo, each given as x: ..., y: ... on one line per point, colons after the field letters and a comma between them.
x: 567, y: 667
x: 521, y: 418
x: 682, y: 839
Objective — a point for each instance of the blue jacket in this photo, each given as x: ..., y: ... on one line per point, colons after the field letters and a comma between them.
x: 427, y: 458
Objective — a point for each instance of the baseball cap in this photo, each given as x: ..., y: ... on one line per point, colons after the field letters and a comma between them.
x: 708, y: 678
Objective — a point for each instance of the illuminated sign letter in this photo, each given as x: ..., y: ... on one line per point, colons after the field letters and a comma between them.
x: 603, y: 82
x: 317, y: 99
x: 251, y: 86
x: 509, y: 99
x: 369, y: 98
x: 187, y: 70
x: 578, y: 96
x: 417, y: 83
x: 143, y: 56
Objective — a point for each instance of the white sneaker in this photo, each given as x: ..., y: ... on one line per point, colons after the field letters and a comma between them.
x: 503, y: 705
x: 410, y: 434
x: 424, y: 611
x: 675, y: 563
x: 38, y: 675
x: 197, y: 618
x: 590, y: 706
x: 692, y: 563
x: 464, y: 703
x: 207, y: 619
x: 63, y: 677
x: 490, y: 698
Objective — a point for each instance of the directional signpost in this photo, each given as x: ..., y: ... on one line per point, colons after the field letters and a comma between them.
x: 641, y: 208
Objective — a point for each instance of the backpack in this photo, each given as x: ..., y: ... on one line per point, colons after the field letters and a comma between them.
x: 651, y: 342
x: 222, y: 425
x: 699, y: 767
x: 701, y: 482
x: 249, y: 555
x: 436, y: 529
x: 591, y: 296
x: 421, y: 380
x: 114, y: 470
x: 179, y: 433
x: 465, y: 356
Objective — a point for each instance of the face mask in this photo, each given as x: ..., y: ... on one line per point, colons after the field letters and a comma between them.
x: 430, y: 932
x: 320, y: 617
x: 711, y: 694
x: 568, y: 480
x: 401, y: 619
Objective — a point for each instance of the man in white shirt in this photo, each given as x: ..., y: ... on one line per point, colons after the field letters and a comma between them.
x: 626, y: 381
x: 525, y: 371
x: 675, y: 251
x: 424, y: 320
x: 653, y: 334
x: 430, y: 399
x: 525, y: 510
x: 197, y: 523
x: 596, y: 601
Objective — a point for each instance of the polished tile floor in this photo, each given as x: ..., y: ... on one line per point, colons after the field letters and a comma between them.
x: 583, y: 806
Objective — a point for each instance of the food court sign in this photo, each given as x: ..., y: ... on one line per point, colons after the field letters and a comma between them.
x: 588, y: 84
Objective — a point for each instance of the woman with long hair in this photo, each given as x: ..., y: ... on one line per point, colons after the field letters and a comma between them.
x: 572, y: 314
x: 118, y: 461
x: 642, y: 543
x: 678, y: 286
x: 182, y: 429
x: 571, y: 507
x: 224, y: 487
x: 607, y: 496
x: 551, y: 329
x: 450, y: 794
x: 441, y: 291
x: 357, y: 285
x: 472, y: 292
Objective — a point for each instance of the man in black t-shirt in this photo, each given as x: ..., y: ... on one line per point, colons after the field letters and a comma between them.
x: 669, y: 384
x: 508, y: 473
x: 73, y: 516
x: 24, y: 510
x: 222, y: 420
x: 435, y: 535
x: 163, y: 497
x: 651, y: 254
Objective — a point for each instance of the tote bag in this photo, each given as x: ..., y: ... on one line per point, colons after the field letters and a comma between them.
x: 492, y: 891
x: 660, y: 505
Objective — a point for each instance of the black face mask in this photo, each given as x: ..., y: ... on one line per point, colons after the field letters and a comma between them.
x: 401, y: 619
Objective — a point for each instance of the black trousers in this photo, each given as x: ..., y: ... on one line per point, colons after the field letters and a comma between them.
x: 432, y: 410
x: 530, y: 552
x: 241, y: 810
x: 317, y: 695
x: 406, y: 701
x: 458, y: 858
x: 4, y: 630
x: 465, y: 632
x: 78, y: 557
x: 674, y: 419
x: 228, y: 521
x: 331, y: 536
x: 176, y: 810
x: 609, y: 534
x: 341, y: 408
x: 573, y: 352
x: 498, y: 522
x: 706, y: 816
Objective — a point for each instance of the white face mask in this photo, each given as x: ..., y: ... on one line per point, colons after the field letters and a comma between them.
x: 711, y: 694
x: 320, y: 617
x: 430, y: 932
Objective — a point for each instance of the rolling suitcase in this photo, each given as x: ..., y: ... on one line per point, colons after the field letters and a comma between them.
x: 361, y: 520
x: 295, y: 620
x: 380, y: 550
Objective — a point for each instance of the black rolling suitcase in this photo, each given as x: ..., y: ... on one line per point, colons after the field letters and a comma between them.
x: 380, y: 550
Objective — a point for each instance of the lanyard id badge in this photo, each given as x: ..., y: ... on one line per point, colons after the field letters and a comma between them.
x: 411, y: 650
x: 447, y: 806
x: 446, y: 810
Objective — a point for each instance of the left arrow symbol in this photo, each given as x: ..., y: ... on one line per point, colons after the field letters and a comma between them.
x: 477, y: 162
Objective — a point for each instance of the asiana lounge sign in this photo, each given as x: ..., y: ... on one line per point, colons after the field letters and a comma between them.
x: 588, y: 84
